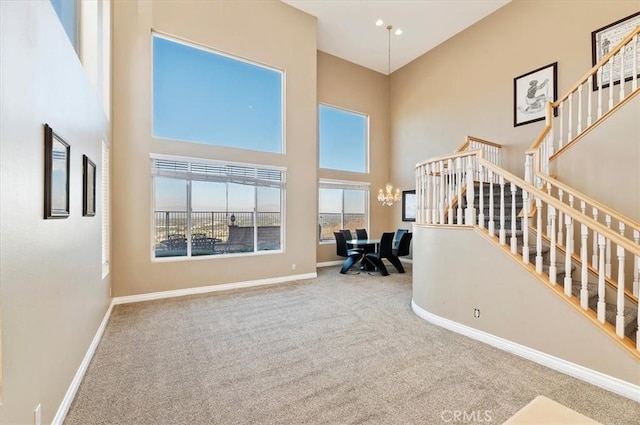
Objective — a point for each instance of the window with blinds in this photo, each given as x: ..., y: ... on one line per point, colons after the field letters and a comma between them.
x: 342, y: 205
x: 210, y: 208
x: 106, y: 208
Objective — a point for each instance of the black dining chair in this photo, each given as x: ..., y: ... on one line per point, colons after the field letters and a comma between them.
x: 399, y: 234
x: 401, y: 251
x: 348, y: 237
x: 352, y: 256
x: 362, y: 235
x: 385, y: 250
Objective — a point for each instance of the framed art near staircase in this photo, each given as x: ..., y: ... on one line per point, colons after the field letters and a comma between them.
x: 408, y: 205
x: 531, y: 93
x: 604, y: 40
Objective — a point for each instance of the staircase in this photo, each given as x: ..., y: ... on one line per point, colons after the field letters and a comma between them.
x: 585, y: 250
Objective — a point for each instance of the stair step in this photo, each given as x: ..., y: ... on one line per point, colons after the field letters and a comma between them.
x: 630, y: 318
x: 533, y: 250
x: 560, y: 270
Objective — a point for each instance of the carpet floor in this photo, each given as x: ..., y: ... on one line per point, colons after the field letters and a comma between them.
x: 333, y: 350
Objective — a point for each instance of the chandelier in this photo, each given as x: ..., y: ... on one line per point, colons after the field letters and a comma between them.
x: 388, y: 196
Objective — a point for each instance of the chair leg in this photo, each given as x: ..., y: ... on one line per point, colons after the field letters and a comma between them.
x: 396, y: 263
x: 378, y: 263
x: 349, y: 262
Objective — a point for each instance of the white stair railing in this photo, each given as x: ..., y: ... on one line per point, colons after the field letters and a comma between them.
x: 597, y: 95
x: 432, y: 175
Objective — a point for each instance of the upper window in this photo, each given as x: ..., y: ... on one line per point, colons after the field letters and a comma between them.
x: 206, y: 97
x: 212, y: 208
x: 67, y: 11
x: 343, y: 139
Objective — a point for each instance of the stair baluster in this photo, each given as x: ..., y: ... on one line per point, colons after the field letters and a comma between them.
x: 570, y: 120
x: 620, y: 297
x: 443, y: 192
x: 552, y: 258
x: 594, y: 255
x: 584, y: 276
x: 481, y: 197
x: 451, y: 190
x: 492, y: 226
x: 636, y: 266
x: 514, y: 239
x: 599, y: 79
x: 561, y: 220
x: 525, y: 227
x: 568, y: 282
x: 634, y: 78
x: 607, y: 266
x: 539, y: 236
x: 621, y: 75
x: 611, y: 82
x: 589, y: 105
x: 561, y: 133
x: 459, y: 187
x: 601, y: 278
x: 470, y: 211
x: 580, y: 108
x: 502, y: 231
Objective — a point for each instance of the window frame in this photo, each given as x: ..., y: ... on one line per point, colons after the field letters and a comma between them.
x: 367, y: 152
x: 207, y: 49
x: 343, y: 185
x: 189, y: 210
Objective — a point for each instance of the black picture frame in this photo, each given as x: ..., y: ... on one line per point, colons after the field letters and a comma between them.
x: 57, y: 174
x: 88, y: 187
x: 610, y: 36
x: 409, y: 204
x: 529, y: 99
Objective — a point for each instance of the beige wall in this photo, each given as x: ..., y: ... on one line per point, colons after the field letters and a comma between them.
x: 349, y: 86
x: 53, y: 294
x: 605, y: 163
x: 268, y: 32
x: 509, y: 299
x: 465, y: 85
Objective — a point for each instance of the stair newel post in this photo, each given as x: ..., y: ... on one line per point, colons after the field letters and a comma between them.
x: 427, y: 193
x: 552, y: 254
x: 589, y: 100
x: 636, y: 266
x: 539, y: 235
x: 459, y: 187
x: 594, y: 255
x: 601, y: 279
x: 560, y: 220
x: 481, y: 197
x: 584, y: 275
x: 470, y: 211
x: 502, y: 232
x: 607, y: 266
x: 570, y: 120
x: 514, y: 220
x: 579, y: 130
x: 451, y: 190
x: 525, y: 227
x: 567, y: 256
x: 492, y: 226
x: 599, y: 81
x: 611, y: 82
x: 620, y: 294
x: 436, y: 188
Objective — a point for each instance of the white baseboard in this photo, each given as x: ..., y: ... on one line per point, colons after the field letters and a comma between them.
x: 212, y: 288
x: 63, y: 409
x: 330, y: 263
x: 406, y: 260
x: 591, y: 376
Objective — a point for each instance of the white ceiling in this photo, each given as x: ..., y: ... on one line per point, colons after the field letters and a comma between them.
x: 346, y: 28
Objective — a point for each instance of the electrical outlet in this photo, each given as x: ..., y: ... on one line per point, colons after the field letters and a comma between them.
x: 37, y: 416
x: 476, y: 312
x: 293, y: 266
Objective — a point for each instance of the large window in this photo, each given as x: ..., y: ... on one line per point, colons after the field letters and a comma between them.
x: 343, y: 139
x: 206, y: 97
x: 212, y: 208
x: 342, y: 205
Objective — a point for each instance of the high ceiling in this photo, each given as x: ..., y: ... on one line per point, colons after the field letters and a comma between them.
x: 346, y: 28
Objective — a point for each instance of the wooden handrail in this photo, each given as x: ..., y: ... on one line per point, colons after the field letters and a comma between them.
x: 470, y: 139
x: 601, y: 207
x: 451, y: 156
x: 601, y: 229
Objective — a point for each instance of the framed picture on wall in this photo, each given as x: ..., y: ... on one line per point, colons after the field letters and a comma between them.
x: 409, y: 205
x: 57, y: 153
x: 532, y: 91
x: 88, y: 187
x: 604, y: 40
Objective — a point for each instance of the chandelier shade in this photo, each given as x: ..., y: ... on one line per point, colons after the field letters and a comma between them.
x: 388, y: 196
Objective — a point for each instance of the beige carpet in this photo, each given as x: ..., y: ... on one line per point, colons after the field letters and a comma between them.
x: 332, y: 350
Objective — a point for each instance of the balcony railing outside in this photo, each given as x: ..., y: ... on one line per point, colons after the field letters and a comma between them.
x: 210, y: 232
